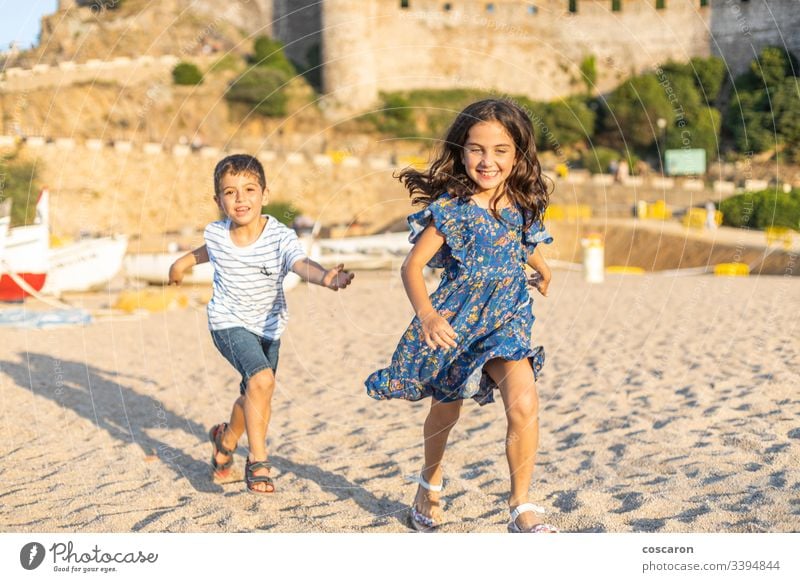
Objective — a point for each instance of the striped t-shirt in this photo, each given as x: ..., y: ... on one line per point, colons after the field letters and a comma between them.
x: 248, y: 281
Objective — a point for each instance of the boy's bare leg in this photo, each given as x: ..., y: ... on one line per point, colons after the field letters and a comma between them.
x: 230, y: 438
x: 441, y: 419
x: 257, y: 410
x: 517, y: 386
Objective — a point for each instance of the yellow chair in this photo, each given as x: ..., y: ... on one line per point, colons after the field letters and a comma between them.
x: 152, y: 300
x: 554, y: 212
x: 416, y: 162
x: 694, y: 218
x: 624, y: 270
x: 338, y: 156
x: 658, y: 211
x: 779, y: 234
x: 731, y: 270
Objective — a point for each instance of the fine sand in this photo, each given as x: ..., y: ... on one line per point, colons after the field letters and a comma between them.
x: 667, y: 404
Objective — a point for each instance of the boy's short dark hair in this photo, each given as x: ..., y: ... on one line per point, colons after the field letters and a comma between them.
x: 238, y: 164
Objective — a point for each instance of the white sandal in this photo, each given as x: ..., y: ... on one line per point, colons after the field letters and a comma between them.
x: 538, y: 528
x: 420, y: 522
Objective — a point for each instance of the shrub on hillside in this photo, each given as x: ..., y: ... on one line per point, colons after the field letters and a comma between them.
x: 760, y: 210
x: 187, y: 74
x: 19, y: 184
x: 262, y: 89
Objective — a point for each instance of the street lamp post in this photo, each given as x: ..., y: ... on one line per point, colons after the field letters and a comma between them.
x: 662, y: 126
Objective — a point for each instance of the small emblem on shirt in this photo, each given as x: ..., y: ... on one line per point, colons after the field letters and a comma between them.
x: 265, y: 271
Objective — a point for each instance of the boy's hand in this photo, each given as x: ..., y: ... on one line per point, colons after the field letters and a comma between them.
x: 438, y: 332
x: 175, y: 274
x: 337, y: 278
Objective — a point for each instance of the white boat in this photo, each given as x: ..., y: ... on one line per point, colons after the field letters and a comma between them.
x: 26, y: 254
x: 153, y: 268
x: 5, y: 220
x: 380, y: 251
x: 84, y: 265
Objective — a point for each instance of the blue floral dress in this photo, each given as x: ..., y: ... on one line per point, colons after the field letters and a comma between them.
x: 484, y: 296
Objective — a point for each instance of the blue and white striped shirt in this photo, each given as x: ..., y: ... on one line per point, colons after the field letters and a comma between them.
x: 248, y: 281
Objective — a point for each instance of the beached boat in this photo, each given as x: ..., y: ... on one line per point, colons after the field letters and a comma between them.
x: 380, y: 251
x: 26, y: 254
x: 153, y: 269
x: 84, y: 265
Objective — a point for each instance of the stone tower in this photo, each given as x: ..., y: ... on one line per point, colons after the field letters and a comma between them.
x: 350, y: 78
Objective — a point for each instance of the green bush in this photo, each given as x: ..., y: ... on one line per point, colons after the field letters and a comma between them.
x: 285, y: 212
x: 187, y: 74
x: 760, y: 210
x: 589, y: 71
x: 773, y: 65
x: 706, y: 74
x: 394, y: 117
x: 19, y: 183
x: 261, y: 89
x: 632, y: 109
x: 562, y: 123
x: 227, y: 62
x: 597, y: 159
x: 763, y: 112
x: 269, y: 53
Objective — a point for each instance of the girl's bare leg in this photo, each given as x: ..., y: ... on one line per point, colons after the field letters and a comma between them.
x: 518, y: 390
x: 441, y: 418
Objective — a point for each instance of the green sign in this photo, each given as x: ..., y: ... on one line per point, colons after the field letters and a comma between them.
x: 685, y: 162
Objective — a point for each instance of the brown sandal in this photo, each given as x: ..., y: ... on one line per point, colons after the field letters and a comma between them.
x: 221, y: 470
x: 251, y: 479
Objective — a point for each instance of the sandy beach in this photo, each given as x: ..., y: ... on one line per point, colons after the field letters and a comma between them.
x: 668, y: 404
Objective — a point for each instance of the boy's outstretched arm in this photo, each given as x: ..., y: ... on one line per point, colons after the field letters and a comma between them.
x: 186, y: 262
x: 537, y: 262
x: 311, y: 271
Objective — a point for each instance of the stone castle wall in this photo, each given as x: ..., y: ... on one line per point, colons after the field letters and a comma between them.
x: 376, y: 45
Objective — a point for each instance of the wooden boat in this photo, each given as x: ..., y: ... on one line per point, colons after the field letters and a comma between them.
x: 84, y: 265
x: 26, y: 254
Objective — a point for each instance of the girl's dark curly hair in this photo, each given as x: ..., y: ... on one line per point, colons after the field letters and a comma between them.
x: 525, y: 184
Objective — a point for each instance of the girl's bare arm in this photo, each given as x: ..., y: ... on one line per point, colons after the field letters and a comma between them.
x: 538, y: 264
x: 437, y: 331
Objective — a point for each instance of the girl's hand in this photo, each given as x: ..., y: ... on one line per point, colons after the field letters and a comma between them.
x: 337, y: 278
x: 437, y: 331
x: 541, y: 281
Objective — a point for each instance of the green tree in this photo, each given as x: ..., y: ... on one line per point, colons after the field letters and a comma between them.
x: 262, y: 89
x: 269, y: 53
x: 187, y: 74
x: 19, y: 182
x: 763, y: 112
x: 589, y: 71
x: 772, y: 65
x: 562, y: 123
x: 710, y: 74
x: 632, y: 110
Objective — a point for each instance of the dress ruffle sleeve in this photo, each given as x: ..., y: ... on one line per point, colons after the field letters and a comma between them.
x: 534, y: 235
x: 443, y: 214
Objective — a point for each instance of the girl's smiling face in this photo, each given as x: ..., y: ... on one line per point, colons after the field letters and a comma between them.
x: 488, y: 155
x: 241, y: 198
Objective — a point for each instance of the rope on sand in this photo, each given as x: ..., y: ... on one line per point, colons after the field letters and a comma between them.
x: 53, y: 302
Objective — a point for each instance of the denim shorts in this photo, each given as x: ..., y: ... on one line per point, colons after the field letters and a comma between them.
x: 246, y: 352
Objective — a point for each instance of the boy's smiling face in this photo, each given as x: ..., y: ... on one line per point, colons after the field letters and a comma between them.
x: 241, y: 198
